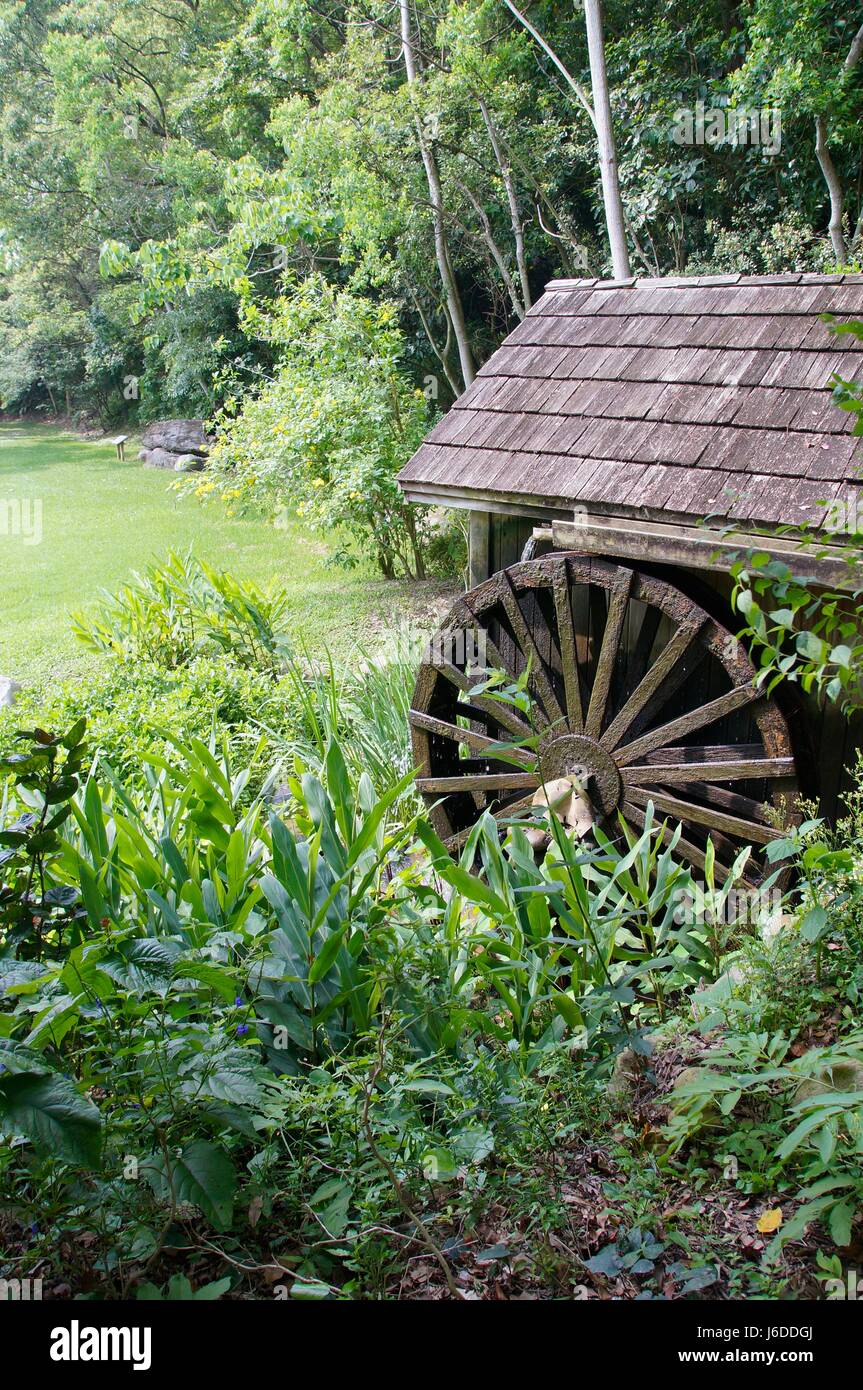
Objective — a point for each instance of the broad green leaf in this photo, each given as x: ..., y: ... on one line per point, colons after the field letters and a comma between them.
x: 53, y: 1115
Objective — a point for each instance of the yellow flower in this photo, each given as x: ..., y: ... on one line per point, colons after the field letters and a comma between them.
x: 318, y: 482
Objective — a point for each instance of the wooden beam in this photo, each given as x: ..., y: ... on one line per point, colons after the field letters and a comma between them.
x: 700, y: 547
x: 660, y: 536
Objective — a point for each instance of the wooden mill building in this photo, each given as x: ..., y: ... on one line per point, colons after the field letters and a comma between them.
x: 621, y: 447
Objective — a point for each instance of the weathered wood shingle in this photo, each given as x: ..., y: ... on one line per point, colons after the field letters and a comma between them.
x: 664, y: 398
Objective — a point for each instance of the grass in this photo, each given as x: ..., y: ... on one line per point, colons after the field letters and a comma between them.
x: 101, y: 519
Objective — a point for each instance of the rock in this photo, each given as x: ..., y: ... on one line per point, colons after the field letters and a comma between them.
x: 160, y: 458
x: 775, y: 923
x: 8, y: 691
x: 177, y: 436
x: 189, y: 463
x: 687, y: 1077
x: 143, y: 455
x: 709, y: 1113
x: 841, y: 1076
x: 716, y: 996
x: 628, y: 1069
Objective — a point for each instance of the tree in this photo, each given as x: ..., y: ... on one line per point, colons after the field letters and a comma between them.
x: 327, y: 432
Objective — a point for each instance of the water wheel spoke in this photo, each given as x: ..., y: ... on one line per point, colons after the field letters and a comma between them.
x: 617, y: 605
x: 689, y: 813
x: 525, y: 640
x: 735, y: 699
x: 735, y: 802
x: 479, y: 782
x: 649, y: 685
x: 706, y: 753
x: 468, y: 738
x: 693, y: 854
x: 567, y: 644
x: 495, y: 660
x: 495, y: 709
x: 674, y: 773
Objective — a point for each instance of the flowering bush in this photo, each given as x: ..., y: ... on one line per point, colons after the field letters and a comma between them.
x: 328, y: 433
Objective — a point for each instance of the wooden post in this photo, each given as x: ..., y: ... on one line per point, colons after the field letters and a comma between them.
x: 605, y: 141
x: 479, y: 566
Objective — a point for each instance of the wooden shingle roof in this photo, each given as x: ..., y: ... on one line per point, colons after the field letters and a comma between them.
x: 660, y: 399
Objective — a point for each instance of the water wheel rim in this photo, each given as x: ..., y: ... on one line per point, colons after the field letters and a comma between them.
x: 576, y: 694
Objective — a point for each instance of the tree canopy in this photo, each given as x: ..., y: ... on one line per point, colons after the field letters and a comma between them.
x: 165, y: 169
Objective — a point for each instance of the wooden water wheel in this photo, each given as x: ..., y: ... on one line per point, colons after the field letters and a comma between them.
x: 636, y: 691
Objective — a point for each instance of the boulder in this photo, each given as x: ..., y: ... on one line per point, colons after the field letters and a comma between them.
x: 709, y: 1113
x: 8, y: 690
x: 840, y: 1076
x: 159, y: 458
x: 189, y: 463
x: 177, y: 436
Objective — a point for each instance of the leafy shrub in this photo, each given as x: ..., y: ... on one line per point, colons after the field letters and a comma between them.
x: 785, y: 1119
x: 363, y: 706
x: 182, y: 609
x: 804, y: 632
x: 328, y: 434
x: 222, y: 986
x: 134, y: 710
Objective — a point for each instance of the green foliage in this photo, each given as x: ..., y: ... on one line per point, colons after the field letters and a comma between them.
x: 316, y: 987
x: 231, y: 1006
x: 328, y: 433
x: 590, y: 940
x: 233, y: 144
x: 134, y: 710
x: 183, y: 609
x: 779, y: 1117
x: 362, y: 705
x: 240, y: 987
x: 36, y: 907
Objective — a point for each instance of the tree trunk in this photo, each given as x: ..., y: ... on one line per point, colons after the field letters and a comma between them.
x: 416, y: 548
x: 497, y: 255
x: 451, y: 291
x: 514, y: 210
x: 605, y: 139
x: 834, y: 188
x: 600, y: 115
x: 836, y: 226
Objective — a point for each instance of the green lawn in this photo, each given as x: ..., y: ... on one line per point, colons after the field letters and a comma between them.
x: 101, y: 519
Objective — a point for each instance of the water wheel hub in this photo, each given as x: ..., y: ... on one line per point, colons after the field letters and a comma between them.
x: 577, y: 755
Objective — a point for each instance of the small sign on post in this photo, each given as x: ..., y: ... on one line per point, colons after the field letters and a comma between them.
x: 119, y: 442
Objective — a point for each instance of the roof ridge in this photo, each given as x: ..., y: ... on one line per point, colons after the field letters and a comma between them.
x: 778, y: 280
